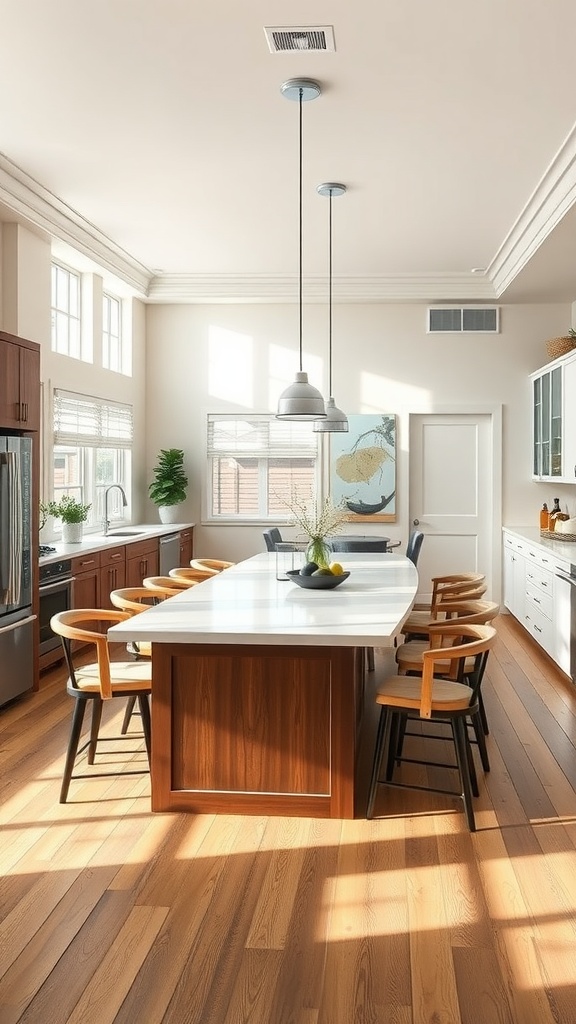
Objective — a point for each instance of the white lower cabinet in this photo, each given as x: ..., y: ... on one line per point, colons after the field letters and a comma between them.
x: 514, y: 575
x: 537, y: 597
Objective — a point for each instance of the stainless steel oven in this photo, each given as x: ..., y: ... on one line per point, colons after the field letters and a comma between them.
x: 55, y: 596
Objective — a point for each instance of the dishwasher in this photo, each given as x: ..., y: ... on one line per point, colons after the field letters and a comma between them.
x: 169, y: 553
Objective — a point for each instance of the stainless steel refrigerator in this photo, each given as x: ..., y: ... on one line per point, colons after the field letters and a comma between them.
x: 16, y: 618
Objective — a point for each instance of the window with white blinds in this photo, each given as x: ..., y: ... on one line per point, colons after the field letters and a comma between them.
x: 92, y: 450
x: 81, y: 419
x: 256, y: 464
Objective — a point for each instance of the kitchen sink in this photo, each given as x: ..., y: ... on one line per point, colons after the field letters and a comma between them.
x: 125, y: 533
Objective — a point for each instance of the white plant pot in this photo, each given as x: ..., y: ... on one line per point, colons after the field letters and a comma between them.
x: 72, y: 533
x: 169, y: 513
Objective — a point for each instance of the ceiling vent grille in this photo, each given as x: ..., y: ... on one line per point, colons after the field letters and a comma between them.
x: 463, y: 320
x: 313, y: 38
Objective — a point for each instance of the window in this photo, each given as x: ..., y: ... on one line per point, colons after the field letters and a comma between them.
x: 112, y: 347
x: 92, y: 449
x: 256, y: 464
x: 65, y: 312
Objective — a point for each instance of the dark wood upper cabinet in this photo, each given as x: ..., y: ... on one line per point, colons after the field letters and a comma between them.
x: 19, y: 383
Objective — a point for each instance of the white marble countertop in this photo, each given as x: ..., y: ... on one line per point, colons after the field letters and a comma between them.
x: 560, y: 548
x: 124, y: 535
x: 246, y: 604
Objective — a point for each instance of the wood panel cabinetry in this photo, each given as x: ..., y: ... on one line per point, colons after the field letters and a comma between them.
x: 142, y: 560
x: 112, y: 573
x: 186, y: 546
x: 86, y: 585
x: 19, y: 383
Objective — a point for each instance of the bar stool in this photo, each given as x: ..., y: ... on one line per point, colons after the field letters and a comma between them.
x: 435, y: 698
x: 98, y: 681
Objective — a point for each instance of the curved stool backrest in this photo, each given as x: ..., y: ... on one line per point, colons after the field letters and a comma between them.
x: 210, y: 565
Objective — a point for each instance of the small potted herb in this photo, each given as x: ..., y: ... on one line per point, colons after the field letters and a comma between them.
x: 168, y: 489
x: 72, y: 513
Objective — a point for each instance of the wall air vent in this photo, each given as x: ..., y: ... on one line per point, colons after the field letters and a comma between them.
x: 315, y: 38
x: 463, y: 320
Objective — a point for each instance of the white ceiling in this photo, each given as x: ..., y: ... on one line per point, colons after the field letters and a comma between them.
x: 152, y: 135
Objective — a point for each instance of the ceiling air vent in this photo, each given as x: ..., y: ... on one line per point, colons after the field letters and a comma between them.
x: 463, y: 320
x: 316, y: 38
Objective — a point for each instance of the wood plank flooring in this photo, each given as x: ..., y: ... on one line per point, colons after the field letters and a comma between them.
x: 112, y: 915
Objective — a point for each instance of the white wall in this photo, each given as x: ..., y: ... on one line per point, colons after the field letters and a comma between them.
x: 383, y: 361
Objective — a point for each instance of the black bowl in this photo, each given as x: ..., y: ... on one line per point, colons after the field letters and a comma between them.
x: 317, y: 582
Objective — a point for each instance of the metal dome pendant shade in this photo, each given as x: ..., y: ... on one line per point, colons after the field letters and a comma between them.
x: 335, y: 421
x: 300, y: 401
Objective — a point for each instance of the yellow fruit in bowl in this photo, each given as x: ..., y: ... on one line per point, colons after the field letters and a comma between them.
x: 336, y: 569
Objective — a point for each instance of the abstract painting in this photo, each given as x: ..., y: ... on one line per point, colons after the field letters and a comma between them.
x: 363, y: 468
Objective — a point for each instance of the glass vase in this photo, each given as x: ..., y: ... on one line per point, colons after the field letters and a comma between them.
x: 319, y: 551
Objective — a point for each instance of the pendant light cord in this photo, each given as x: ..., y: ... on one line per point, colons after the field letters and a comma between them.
x: 330, y: 295
x: 300, y: 233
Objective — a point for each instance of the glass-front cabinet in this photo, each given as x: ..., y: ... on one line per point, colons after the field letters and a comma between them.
x: 553, y: 421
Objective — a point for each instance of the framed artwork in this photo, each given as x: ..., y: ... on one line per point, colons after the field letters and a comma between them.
x: 363, y: 468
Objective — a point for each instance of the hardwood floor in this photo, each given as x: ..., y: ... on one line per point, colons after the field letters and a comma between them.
x: 112, y: 914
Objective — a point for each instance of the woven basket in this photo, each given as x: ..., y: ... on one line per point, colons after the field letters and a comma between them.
x: 560, y: 346
x: 552, y: 535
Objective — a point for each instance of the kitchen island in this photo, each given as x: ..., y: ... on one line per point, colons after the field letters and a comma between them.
x: 258, y: 686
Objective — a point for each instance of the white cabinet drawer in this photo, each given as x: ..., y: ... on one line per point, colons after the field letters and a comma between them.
x: 539, y: 578
x: 537, y: 601
x: 540, y: 627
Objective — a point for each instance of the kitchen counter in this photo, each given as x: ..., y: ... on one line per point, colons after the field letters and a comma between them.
x: 559, y: 548
x: 246, y: 604
x: 258, y: 687
x: 99, y: 542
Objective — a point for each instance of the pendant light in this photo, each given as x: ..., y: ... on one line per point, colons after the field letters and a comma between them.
x: 300, y: 401
x: 335, y: 420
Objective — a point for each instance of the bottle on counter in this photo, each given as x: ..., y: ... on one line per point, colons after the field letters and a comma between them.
x: 544, y: 517
x: 556, y: 511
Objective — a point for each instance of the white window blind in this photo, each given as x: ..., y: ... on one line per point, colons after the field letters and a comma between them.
x: 260, y: 437
x: 91, y: 422
x: 256, y: 465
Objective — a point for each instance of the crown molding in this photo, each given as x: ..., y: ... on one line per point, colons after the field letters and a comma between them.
x: 206, y: 288
x: 35, y: 205
x: 552, y: 198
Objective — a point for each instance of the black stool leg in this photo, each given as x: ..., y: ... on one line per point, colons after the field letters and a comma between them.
x: 145, y: 715
x: 131, y: 704
x: 382, y: 739
x: 481, y: 740
x: 95, y: 728
x: 483, y: 718
x: 75, y: 731
x: 460, y: 744
x: 395, y: 728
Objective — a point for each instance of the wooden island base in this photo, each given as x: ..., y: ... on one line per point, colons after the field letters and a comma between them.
x: 256, y: 729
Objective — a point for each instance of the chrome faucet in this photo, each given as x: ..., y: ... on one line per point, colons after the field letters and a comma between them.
x: 124, y: 503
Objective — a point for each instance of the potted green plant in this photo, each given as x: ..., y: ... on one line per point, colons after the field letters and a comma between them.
x: 168, y: 489
x: 72, y: 513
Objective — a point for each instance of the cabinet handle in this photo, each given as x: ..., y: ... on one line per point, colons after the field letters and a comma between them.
x: 26, y: 412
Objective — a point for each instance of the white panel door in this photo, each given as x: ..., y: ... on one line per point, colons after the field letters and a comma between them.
x: 451, y: 493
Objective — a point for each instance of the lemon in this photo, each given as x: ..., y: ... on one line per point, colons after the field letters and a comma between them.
x: 336, y: 569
